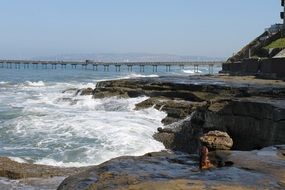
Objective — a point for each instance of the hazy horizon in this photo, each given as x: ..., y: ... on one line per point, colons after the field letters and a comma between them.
x: 33, y: 28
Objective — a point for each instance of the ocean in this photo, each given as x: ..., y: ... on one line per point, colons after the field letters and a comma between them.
x: 40, y: 124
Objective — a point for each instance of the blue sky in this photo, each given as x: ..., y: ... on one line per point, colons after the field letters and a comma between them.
x: 185, y: 27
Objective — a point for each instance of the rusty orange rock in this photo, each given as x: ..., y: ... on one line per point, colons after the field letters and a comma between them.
x: 204, y: 160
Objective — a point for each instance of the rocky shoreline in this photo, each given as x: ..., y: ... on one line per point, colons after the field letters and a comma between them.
x: 264, y: 169
x: 251, y: 111
x: 244, y: 107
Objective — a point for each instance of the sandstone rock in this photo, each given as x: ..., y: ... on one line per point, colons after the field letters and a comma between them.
x: 217, y: 140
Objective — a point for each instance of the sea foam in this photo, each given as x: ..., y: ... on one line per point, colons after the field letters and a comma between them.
x: 62, y: 129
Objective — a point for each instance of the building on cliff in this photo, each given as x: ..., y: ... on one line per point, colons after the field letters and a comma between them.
x: 273, y: 29
x: 264, y: 56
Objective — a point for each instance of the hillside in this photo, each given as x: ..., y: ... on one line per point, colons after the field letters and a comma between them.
x: 264, y: 46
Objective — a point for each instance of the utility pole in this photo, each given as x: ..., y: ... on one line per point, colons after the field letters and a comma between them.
x: 282, y: 14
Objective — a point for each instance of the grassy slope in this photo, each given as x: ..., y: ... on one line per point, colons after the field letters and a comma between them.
x: 280, y: 43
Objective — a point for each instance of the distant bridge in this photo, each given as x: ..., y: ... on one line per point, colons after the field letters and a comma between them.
x: 17, y: 64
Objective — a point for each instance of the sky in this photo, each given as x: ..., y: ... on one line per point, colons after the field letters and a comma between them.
x: 31, y: 28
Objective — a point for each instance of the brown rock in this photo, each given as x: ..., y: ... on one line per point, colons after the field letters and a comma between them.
x: 217, y: 140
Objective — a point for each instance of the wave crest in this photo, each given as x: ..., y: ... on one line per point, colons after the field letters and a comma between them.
x: 34, y: 84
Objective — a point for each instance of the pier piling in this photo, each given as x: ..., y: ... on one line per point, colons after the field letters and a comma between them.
x: 142, y: 68
x: 53, y: 66
x: 95, y: 67
x: 130, y: 68
x: 84, y: 66
x: 154, y: 68
x: 106, y: 68
x: 196, y: 68
x: 211, y: 69
x: 118, y: 68
x: 63, y: 66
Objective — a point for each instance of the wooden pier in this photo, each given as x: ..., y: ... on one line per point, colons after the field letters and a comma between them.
x: 88, y: 64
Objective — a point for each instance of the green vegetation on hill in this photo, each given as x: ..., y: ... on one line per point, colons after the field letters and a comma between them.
x: 280, y: 43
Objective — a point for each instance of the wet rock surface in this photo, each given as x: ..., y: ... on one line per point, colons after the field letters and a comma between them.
x: 176, y: 170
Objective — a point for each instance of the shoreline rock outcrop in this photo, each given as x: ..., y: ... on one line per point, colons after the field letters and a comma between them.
x: 264, y: 169
x: 251, y: 111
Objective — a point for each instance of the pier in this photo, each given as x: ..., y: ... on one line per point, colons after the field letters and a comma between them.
x: 93, y: 65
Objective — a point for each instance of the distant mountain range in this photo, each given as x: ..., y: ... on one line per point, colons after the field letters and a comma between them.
x: 127, y: 57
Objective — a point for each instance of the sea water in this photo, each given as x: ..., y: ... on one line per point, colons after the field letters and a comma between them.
x: 41, y: 124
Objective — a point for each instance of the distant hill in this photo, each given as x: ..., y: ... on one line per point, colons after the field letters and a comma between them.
x: 131, y: 57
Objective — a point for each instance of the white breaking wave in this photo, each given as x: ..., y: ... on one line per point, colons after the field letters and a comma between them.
x: 134, y: 75
x: 130, y: 76
x: 191, y: 71
x: 61, y: 129
x: 34, y: 84
x: 17, y: 159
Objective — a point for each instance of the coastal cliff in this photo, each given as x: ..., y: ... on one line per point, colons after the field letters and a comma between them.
x: 251, y: 111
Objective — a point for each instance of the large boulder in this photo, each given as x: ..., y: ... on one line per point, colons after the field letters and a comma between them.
x: 217, y: 140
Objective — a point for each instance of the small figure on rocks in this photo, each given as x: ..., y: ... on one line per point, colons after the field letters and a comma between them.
x: 213, y: 140
x: 204, y: 160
